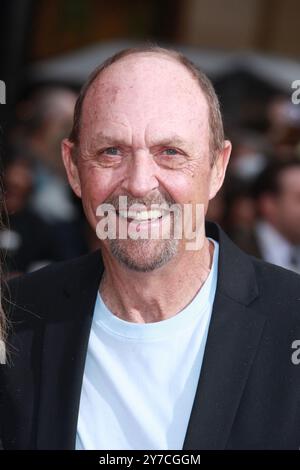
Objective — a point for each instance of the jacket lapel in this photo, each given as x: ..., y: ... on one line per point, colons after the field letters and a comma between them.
x: 65, y: 348
x: 233, y: 337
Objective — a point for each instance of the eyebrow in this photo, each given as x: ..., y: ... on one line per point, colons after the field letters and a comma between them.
x: 174, y: 140
x: 101, y: 137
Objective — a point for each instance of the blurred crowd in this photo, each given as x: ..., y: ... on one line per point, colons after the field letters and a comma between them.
x: 259, y: 205
x: 43, y: 220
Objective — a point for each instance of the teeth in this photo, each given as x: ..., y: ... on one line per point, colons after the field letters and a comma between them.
x: 141, y: 215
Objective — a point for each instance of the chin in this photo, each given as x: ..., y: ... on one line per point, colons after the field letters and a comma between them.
x: 143, y: 255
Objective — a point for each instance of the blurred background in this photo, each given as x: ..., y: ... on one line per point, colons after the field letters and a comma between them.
x: 249, y: 49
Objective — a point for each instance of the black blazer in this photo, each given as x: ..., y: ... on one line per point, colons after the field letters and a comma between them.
x: 248, y: 395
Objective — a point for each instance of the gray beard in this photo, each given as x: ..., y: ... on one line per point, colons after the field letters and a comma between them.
x: 138, y: 257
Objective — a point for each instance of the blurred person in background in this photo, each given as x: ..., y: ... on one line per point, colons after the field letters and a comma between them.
x: 46, y: 116
x: 277, y: 232
x: 283, y: 133
x: 27, y: 240
x: 43, y: 119
x: 248, y: 155
x: 240, y: 216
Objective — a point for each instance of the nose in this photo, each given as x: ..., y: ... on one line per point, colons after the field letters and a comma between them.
x: 140, y: 179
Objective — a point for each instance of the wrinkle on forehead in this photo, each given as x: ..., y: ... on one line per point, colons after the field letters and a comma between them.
x: 142, y: 90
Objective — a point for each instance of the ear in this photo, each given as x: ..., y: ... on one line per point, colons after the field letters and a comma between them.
x: 219, y: 169
x: 71, y: 166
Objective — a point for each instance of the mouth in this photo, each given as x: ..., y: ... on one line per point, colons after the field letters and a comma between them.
x: 146, y: 216
x: 145, y: 220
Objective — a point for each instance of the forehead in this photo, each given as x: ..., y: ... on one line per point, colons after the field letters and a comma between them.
x: 145, y: 91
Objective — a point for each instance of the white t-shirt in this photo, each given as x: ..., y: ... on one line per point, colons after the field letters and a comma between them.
x: 140, y: 379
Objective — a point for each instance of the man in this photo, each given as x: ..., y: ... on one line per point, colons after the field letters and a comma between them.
x: 278, y: 201
x: 158, y: 342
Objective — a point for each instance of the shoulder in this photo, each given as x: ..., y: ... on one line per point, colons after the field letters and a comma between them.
x: 268, y: 289
x: 279, y: 293
x: 32, y: 292
x: 278, y: 280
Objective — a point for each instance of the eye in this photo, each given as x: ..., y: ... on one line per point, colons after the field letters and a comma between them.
x: 111, y: 151
x: 170, y: 151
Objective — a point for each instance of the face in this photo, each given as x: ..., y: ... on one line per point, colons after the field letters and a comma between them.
x: 287, y: 205
x: 144, y: 135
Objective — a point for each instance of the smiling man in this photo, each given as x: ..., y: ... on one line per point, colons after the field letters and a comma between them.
x: 144, y: 132
x: 147, y: 343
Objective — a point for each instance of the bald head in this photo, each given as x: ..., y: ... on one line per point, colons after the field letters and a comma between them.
x: 180, y: 69
x: 141, y: 100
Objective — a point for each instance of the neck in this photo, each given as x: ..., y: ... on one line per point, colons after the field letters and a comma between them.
x: 154, y: 296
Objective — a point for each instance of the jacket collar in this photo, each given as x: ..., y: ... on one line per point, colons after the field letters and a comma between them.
x: 225, y: 367
x: 236, y: 275
x: 233, y: 337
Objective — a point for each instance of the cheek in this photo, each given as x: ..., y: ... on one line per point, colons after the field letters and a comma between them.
x: 97, y: 185
x: 188, y: 188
